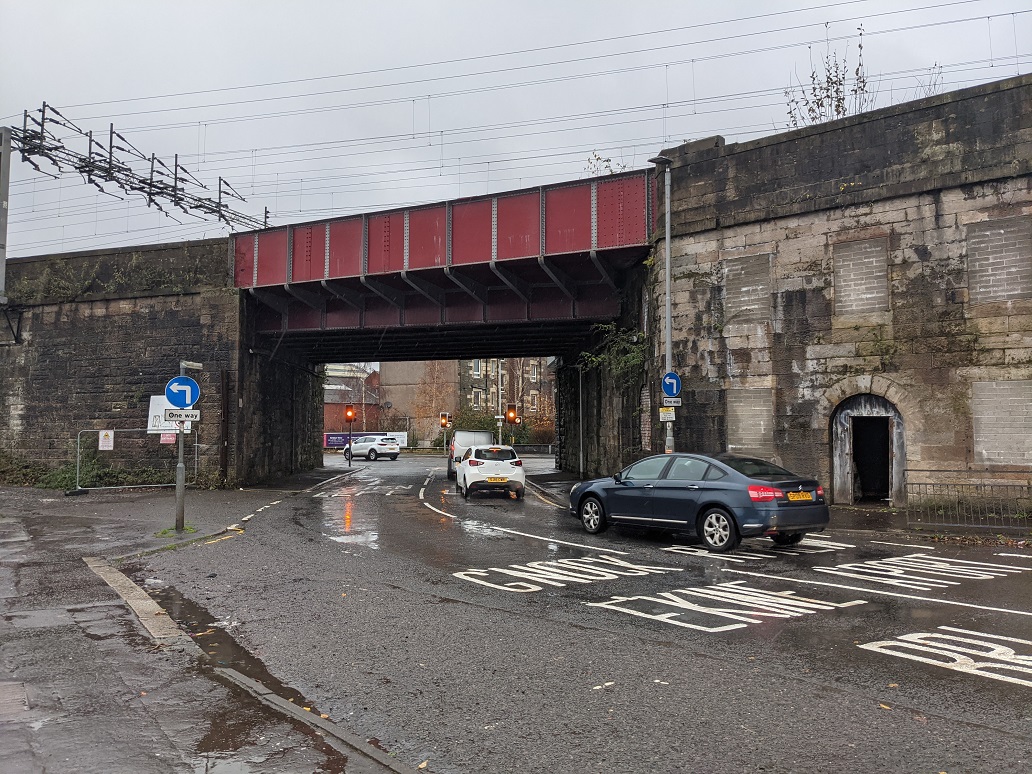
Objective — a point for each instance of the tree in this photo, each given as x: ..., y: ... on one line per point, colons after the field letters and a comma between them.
x: 434, y: 394
x: 831, y: 94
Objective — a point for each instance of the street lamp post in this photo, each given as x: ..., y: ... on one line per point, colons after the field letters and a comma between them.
x: 666, y: 163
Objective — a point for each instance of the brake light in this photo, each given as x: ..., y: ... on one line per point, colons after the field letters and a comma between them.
x: 516, y: 463
x: 473, y: 463
x: 820, y: 491
x: 764, y: 494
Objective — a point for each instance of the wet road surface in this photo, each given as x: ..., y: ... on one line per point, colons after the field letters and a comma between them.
x: 496, y: 635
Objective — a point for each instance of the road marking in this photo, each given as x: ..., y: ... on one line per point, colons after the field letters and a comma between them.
x: 535, y: 537
x: 819, y: 540
x: 735, y: 601
x: 901, y: 545
x: 421, y: 493
x: 879, y: 591
x: 1018, y: 556
x: 560, y: 572
x: 950, y: 652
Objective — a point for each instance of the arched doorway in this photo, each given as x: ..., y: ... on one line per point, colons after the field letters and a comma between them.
x: 868, y: 452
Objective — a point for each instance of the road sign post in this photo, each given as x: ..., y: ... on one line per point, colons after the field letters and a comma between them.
x: 671, y: 384
x: 182, y: 392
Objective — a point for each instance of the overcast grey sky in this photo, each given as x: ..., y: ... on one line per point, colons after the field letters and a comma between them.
x: 313, y: 109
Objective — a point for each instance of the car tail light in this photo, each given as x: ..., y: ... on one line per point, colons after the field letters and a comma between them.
x: 820, y: 491
x: 764, y: 494
x: 516, y: 463
x: 473, y: 463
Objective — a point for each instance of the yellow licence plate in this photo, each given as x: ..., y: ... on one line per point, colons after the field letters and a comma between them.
x: 800, y: 496
x: 497, y: 480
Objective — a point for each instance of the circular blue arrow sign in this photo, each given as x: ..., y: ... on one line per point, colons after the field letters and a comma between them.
x: 671, y: 384
x: 182, y: 392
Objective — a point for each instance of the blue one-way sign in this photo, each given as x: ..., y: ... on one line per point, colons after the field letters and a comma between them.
x: 671, y: 384
x: 182, y: 392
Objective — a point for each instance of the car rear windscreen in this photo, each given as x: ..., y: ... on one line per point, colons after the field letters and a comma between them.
x: 495, y: 454
x: 754, y: 468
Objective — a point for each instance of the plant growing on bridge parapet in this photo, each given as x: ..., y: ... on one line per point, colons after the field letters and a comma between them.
x: 620, y: 351
x: 830, y: 94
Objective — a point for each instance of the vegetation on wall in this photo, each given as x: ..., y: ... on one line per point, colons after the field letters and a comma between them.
x: 619, y: 351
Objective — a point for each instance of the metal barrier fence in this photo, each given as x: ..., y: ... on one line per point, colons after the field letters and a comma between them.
x: 153, y: 463
x: 986, y: 506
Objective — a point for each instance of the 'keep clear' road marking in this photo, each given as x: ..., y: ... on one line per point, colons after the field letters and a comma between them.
x: 762, y: 554
x: 909, y: 572
x: 734, y: 601
x: 560, y: 572
x: 995, y: 661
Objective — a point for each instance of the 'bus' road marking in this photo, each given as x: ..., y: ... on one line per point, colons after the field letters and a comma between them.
x: 997, y: 662
x: 879, y: 591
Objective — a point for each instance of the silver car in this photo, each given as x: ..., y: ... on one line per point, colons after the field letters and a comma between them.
x: 373, y: 446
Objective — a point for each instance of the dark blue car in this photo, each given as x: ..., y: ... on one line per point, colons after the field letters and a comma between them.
x: 720, y: 499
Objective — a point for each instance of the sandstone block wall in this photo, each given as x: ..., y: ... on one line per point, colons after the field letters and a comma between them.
x: 888, y: 254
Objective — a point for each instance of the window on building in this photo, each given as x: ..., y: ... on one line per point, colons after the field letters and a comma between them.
x: 861, y: 276
x: 477, y: 372
x: 534, y: 372
x: 747, y: 289
x: 534, y: 401
x: 477, y: 400
x: 1000, y: 260
x: 1001, y: 428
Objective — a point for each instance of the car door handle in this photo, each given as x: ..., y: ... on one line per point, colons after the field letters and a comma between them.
x: 692, y: 487
x: 649, y: 486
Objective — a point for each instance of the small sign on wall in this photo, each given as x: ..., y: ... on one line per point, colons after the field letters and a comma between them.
x: 168, y: 437
x: 107, y: 440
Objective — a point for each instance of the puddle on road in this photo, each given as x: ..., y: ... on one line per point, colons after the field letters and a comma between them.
x: 235, y: 741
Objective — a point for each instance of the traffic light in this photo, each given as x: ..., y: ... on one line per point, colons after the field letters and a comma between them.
x: 349, y: 412
x: 445, y: 419
x: 510, y: 414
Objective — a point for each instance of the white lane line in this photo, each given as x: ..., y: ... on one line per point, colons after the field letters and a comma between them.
x: 994, y: 636
x: 1018, y: 556
x: 443, y: 513
x: 535, y: 537
x: 879, y: 591
x: 421, y: 491
x: 901, y: 545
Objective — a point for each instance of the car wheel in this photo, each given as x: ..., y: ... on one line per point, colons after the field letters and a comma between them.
x: 519, y: 493
x: 593, y: 515
x: 788, y: 540
x: 347, y: 454
x: 394, y: 456
x: 371, y: 455
x: 465, y: 490
x: 717, y: 530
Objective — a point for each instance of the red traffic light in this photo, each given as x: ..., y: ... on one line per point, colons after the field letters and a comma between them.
x: 510, y: 414
x: 445, y: 418
x: 349, y: 413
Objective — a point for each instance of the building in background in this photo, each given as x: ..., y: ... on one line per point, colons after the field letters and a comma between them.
x: 357, y: 384
x: 414, y: 393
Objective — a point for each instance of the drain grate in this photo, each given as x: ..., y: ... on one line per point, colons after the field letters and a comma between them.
x: 13, y: 701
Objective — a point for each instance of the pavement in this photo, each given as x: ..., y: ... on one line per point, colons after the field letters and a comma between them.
x: 61, y: 562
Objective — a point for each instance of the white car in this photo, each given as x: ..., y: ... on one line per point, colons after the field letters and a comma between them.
x: 490, y: 468
x: 373, y: 446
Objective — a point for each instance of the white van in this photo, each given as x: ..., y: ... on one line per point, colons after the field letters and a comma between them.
x: 462, y: 440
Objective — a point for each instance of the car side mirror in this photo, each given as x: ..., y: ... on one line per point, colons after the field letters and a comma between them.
x: 616, y: 478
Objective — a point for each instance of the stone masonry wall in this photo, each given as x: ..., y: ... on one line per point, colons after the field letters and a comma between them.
x: 900, y: 265
x: 102, y: 331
